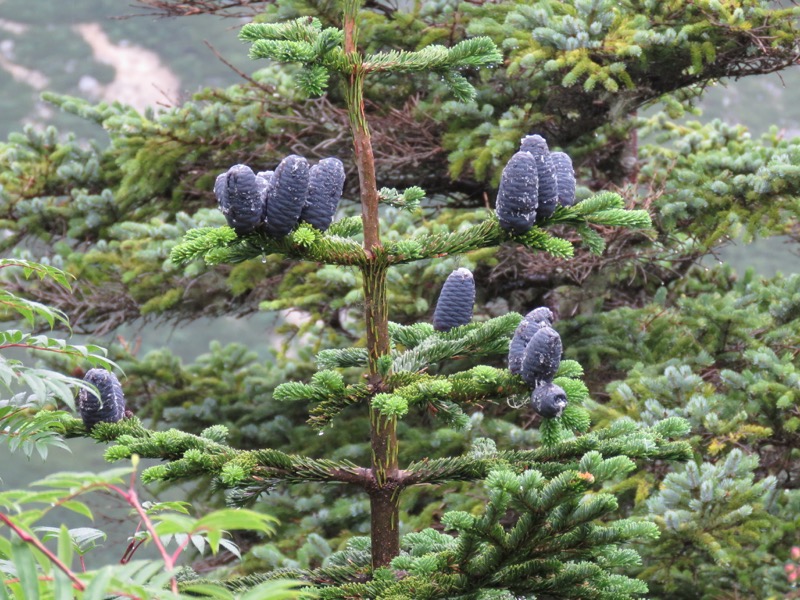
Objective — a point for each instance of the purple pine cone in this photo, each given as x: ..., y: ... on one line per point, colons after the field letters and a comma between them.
x: 535, y: 144
x: 565, y: 175
x: 109, y: 407
x: 266, y: 176
x: 454, y: 307
x: 240, y: 198
x: 542, y: 357
x: 518, y: 194
x: 530, y: 324
x: 549, y: 400
x: 287, y: 195
x: 325, y: 185
x: 541, y: 314
x: 546, y: 172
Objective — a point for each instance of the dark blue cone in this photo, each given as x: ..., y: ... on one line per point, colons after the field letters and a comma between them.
x: 287, y: 195
x: 565, y: 176
x: 542, y: 357
x: 517, y: 196
x: 535, y: 144
x: 456, y: 300
x: 325, y: 185
x: 109, y: 407
x: 546, y: 172
x: 541, y: 314
x: 240, y: 198
x: 530, y: 324
x: 549, y: 400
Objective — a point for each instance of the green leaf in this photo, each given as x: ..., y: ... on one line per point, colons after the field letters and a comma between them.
x: 277, y: 590
x: 208, y: 590
x: 78, y: 507
x: 25, y: 564
x: 228, y: 519
x: 96, y: 590
x: 63, y: 585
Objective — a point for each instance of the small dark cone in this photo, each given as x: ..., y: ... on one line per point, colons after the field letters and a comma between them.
x: 517, y: 196
x: 325, y: 185
x: 287, y: 195
x: 565, y: 175
x: 454, y: 307
x: 542, y: 357
x: 530, y: 324
x: 549, y: 400
x: 240, y: 198
x: 546, y: 173
x: 109, y: 407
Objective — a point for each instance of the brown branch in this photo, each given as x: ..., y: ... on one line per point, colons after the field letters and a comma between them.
x: 267, y: 88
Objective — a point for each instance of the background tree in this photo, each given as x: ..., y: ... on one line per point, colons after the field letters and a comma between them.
x: 576, y: 72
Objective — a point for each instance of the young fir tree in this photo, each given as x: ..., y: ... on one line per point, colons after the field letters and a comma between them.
x: 547, y: 528
x: 574, y: 71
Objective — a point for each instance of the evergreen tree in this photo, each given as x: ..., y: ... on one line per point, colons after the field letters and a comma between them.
x: 575, y: 72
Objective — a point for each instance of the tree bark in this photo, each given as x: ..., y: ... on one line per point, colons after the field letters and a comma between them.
x: 383, y: 488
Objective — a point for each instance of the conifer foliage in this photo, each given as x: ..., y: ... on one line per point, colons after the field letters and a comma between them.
x: 547, y: 495
x: 541, y: 531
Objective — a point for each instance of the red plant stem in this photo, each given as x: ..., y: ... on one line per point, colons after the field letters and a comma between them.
x: 132, y: 498
x: 29, y: 539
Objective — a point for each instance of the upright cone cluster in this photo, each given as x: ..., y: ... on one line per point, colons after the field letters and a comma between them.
x: 277, y: 200
x: 535, y: 354
x: 533, y: 183
x: 454, y: 307
x: 109, y: 407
